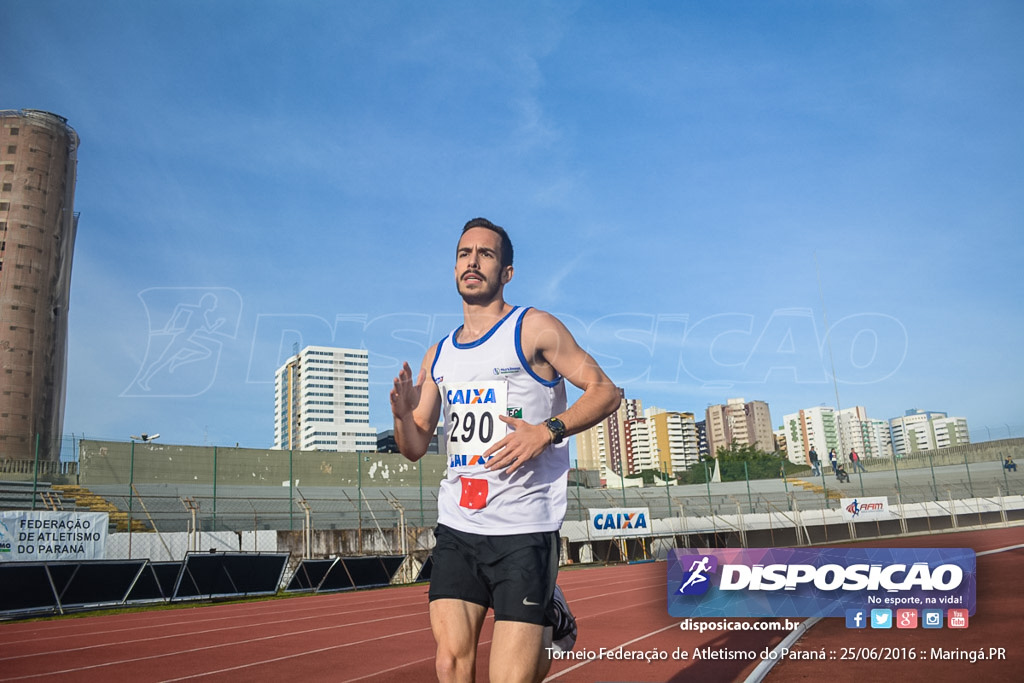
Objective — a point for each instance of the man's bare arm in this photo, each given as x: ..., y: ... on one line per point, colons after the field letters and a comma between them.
x: 415, y: 406
x: 550, y: 346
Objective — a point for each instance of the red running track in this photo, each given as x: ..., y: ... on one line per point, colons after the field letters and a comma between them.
x: 996, y: 624
x: 384, y: 635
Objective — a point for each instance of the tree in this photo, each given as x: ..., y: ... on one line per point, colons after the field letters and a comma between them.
x: 648, y: 476
x: 741, y: 461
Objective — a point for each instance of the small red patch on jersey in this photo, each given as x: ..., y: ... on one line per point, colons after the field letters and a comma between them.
x: 474, y: 493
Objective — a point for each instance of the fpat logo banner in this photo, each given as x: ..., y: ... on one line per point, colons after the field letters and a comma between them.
x: 614, y: 522
x: 823, y: 582
x: 865, y: 509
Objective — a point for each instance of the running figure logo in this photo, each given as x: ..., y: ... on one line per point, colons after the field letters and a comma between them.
x: 697, y: 581
x: 188, y: 328
x: 6, y: 538
x: 853, y: 508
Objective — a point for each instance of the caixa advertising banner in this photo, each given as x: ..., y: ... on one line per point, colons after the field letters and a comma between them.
x: 614, y: 522
x: 817, y: 582
x: 27, y: 536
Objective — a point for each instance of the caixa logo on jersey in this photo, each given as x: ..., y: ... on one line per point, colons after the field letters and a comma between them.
x: 613, y: 522
x: 823, y: 582
x: 463, y: 460
x: 471, y: 396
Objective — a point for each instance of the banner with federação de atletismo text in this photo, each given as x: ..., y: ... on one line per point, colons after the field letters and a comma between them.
x: 46, y: 536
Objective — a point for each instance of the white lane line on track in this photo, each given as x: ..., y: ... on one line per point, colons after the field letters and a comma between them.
x: 488, y: 642
x: 385, y: 671
x: 291, y: 656
x: 247, y: 627
x: 394, y: 668
x: 211, y: 647
x: 1000, y: 550
x: 320, y: 610
x: 764, y: 668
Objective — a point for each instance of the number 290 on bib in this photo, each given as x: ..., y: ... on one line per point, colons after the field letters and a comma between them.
x: 472, y: 410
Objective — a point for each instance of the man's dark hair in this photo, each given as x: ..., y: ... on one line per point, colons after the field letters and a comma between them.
x: 506, y: 244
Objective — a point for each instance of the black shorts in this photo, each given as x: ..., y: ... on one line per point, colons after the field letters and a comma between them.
x: 515, y: 574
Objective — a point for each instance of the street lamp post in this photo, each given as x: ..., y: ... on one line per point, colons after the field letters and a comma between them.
x: 144, y: 438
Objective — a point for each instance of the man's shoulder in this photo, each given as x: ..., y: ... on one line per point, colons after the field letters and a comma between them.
x: 538, y: 319
x: 542, y: 329
x: 430, y: 356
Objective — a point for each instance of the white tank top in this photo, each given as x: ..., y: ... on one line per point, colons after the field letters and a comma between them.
x: 479, y: 381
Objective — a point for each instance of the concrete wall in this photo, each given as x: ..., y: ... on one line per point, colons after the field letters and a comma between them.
x: 112, y: 462
x: 956, y: 455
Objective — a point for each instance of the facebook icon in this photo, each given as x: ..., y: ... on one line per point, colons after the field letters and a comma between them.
x: 856, y: 618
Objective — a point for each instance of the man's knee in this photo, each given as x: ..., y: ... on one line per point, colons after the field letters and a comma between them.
x: 454, y: 666
x: 446, y: 667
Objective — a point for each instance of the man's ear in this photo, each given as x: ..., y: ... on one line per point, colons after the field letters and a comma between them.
x: 506, y: 274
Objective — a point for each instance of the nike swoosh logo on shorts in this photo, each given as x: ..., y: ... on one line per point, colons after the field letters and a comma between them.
x: 526, y: 601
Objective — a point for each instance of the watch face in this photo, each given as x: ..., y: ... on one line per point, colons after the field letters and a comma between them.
x: 557, y: 428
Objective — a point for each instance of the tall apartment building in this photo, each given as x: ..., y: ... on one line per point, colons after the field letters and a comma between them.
x: 592, y: 449
x: 746, y: 423
x: 824, y: 428
x: 703, y: 450
x: 673, y: 439
x: 922, y: 430
x: 634, y: 439
x: 604, y: 446
x: 638, y: 445
x: 38, y: 164
x: 322, y: 401
x: 781, y: 441
x: 810, y: 428
x: 870, y: 438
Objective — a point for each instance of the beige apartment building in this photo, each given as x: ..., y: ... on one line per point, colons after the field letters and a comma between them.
x: 634, y: 439
x: 746, y: 423
x: 604, y: 446
x: 38, y: 161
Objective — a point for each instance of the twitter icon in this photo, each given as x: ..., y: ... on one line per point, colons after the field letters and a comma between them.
x: 881, y: 618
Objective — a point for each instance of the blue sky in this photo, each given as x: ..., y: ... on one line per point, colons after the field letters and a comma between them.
x: 674, y: 175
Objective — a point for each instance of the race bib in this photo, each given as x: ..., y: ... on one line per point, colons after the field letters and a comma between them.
x: 472, y: 410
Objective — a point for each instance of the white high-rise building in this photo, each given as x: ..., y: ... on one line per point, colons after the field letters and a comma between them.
x: 810, y: 428
x: 922, y: 430
x: 322, y: 401
x: 870, y: 438
x: 825, y: 428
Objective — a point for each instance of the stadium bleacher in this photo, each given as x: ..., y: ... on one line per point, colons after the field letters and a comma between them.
x: 26, y: 495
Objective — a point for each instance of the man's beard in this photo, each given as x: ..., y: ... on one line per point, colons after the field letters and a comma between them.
x: 481, y: 296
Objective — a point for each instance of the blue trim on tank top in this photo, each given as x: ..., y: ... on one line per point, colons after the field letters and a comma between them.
x: 437, y: 354
x: 484, y: 338
x: 550, y: 383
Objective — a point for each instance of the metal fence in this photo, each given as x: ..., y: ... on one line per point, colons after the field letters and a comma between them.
x: 163, y: 499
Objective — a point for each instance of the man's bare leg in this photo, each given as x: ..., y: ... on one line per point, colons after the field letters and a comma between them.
x: 517, y: 653
x: 456, y: 625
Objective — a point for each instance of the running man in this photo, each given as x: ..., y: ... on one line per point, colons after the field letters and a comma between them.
x: 498, y: 381
x: 698, y: 570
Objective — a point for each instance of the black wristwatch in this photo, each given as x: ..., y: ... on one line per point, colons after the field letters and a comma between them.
x: 557, y: 429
